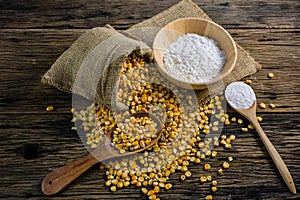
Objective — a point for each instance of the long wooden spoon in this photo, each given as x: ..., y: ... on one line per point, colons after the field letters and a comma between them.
x: 250, y: 114
x: 63, y: 176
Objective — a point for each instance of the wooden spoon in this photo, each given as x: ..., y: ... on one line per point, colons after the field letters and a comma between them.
x: 63, y: 176
x: 250, y: 114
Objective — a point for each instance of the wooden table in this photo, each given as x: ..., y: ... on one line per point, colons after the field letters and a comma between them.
x: 34, y: 142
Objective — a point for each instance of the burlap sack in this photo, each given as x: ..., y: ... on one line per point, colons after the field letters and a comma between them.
x: 91, y: 66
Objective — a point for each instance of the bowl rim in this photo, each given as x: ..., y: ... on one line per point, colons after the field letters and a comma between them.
x: 216, y: 79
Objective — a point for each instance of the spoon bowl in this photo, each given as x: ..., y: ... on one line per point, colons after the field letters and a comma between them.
x: 63, y: 176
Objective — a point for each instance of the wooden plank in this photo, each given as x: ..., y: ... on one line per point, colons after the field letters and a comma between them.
x: 35, y: 144
x: 37, y: 49
x: 122, y: 14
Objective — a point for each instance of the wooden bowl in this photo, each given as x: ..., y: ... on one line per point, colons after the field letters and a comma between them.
x: 169, y: 34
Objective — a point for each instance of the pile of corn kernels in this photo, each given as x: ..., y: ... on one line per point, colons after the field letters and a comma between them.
x: 190, y: 132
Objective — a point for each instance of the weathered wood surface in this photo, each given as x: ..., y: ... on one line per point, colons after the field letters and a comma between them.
x: 34, y: 142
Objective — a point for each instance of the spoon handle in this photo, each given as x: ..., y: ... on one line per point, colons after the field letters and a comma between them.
x: 63, y: 176
x: 283, y: 170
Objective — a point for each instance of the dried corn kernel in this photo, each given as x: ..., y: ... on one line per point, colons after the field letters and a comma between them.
x: 213, y: 188
x: 272, y: 105
x: 262, y: 105
x: 230, y: 158
x: 250, y: 126
x: 214, y: 183
x: 209, y: 197
x: 233, y: 119
x: 220, y: 171
x: 239, y: 121
x: 203, y: 179
x: 214, y: 153
x: 113, y: 188
x: 225, y: 165
x: 245, y: 130
x: 208, y: 178
x: 232, y: 137
x: 168, y: 186
x: 248, y: 81
x: 49, y: 108
x: 207, y: 166
x: 271, y: 75
x: 259, y: 118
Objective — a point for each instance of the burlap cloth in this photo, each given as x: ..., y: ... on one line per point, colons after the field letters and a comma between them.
x: 91, y: 66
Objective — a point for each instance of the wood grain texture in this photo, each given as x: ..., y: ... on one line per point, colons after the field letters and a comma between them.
x: 34, y: 142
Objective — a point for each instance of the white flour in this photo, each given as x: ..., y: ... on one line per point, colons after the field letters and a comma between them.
x: 194, y: 58
x: 240, y: 95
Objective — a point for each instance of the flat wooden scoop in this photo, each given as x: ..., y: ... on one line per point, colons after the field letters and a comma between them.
x: 63, y: 176
x: 250, y: 114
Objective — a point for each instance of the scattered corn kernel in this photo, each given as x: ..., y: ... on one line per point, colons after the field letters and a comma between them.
x: 262, y: 105
x: 230, y: 158
x: 145, y: 190
x: 248, y: 81
x: 213, y: 188
x: 209, y: 197
x: 232, y: 137
x: 168, y: 186
x: 225, y: 165
x: 203, y: 179
x: 233, y: 119
x: 214, y: 153
x: 156, y: 189
x: 113, y: 188
x: 272, y: 105
x: 208, y: 178
x: 152, y: 197
x: 239, y: 121
x: 49, y: 108
x: 250, y: 126
x: 259, y: 119
x: 220, y: 171
x: 245, y: 130
x: 73, y: 110
x: 207, y: 166
x: 228, y: 146
x: 214, y: 183
x: 183, y: 177
x: 271, y: 75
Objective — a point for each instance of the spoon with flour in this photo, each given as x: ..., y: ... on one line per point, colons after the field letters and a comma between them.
x: 241, y: 98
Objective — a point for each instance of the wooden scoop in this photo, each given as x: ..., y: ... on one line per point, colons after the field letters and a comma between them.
x: 63, y: 176
x: 250, y: 114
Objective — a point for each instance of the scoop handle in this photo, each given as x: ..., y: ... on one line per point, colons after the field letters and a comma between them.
x: 63, y: 176
x: 283, y: 170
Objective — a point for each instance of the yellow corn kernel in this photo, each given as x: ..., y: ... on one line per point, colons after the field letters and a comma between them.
x: 272, y: 105
x: 213, y: 188
x: 113, y: 188
x: 239, y: 121
x: 214, y: 183
x: 250, y: 126
x: 168, y: 186
x: 248, y: 81
x: 233, y: 119
x: 209, y: 197
x: 271, y: 75
x: 49, y: 108
x: 214, y: 153
x: 207, y: 166
x: 225, y: 165
x: 259, y: 119
x: 144, y: 190
x: 203, y: 179
x: 245, y: 130
x: 262, y: 105
x: 208, y: 178
x: 220, y: 171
